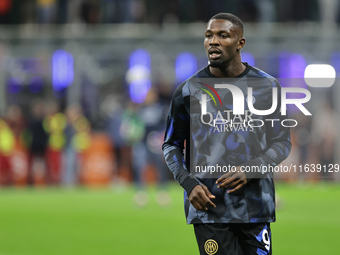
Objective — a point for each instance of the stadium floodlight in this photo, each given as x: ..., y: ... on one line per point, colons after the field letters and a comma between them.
x: 320, y: 75
x: 138, y: 75
x: 62, y: 69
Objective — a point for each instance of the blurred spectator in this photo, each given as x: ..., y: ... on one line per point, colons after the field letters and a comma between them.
x: 187, y: 10
x: 46, y: 10
x: 13, y: 126
x: 37, y: 142
x: 328, y: 11
x: 108, y: 11
x: 113, y: 129
x: 204, y: 10
x: 7, y: 145
x: 90, y: 12
x: 5, y: 11
x: 70, y: 173
x: 301, y: 135
x: 148, y: 150
x: 325, y: 136
x: 249, y: 11
x: 18, y: 158
x: 137, y: 11
x: 131, y: 128
x: 77, y: 134
x: 54, y: 125
x: 27, y: 11
x: 266, y: 10
x: 73, y: 13
x: 16, y: 120
x: 338, y: 12
x: 154, y: 11
x: 62, y: 10
x: 298, y: 10
x: 123, y: 11
x: 306, y: 10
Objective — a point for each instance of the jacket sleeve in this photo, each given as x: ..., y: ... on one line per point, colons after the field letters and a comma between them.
x: 177, y: 132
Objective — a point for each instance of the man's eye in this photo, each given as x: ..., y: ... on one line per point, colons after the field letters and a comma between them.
x: 224, y: 36
x: 208, y: 36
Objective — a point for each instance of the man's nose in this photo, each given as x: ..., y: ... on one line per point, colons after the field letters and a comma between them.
x: 214, y: 41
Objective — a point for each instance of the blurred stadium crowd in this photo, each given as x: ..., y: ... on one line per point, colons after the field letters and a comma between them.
x: 44, y: 145
x: 153, y: 11
x: 33, y: 146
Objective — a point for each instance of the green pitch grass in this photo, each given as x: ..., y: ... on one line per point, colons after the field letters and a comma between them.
x: 83, y: 221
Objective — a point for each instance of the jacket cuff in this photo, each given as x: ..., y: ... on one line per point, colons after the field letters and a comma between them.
x: 189, y: 183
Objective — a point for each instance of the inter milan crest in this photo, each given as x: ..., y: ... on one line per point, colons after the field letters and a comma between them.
x: 211, y: 246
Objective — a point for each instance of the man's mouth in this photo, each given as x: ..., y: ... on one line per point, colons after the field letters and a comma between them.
x: 214, y: 53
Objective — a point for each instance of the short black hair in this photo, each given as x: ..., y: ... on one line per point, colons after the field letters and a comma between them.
x: 230, y: 17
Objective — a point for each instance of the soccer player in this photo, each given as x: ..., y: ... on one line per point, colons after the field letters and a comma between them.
x: 231, y: 213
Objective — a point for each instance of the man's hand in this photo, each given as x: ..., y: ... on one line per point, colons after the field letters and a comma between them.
x: 200, y: 197
x: 232, y: 180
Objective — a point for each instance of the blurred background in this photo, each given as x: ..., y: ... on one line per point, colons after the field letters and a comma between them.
x: 84, y: 92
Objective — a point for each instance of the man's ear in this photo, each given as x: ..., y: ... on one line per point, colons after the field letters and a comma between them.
x: 241, y: 43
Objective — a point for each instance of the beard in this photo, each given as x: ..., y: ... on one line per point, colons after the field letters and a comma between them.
x: 216, y: 63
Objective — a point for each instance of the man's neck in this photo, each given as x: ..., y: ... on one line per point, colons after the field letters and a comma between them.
x: 230, y: 70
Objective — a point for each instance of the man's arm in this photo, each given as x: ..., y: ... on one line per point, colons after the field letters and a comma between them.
x: 177, y: 131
